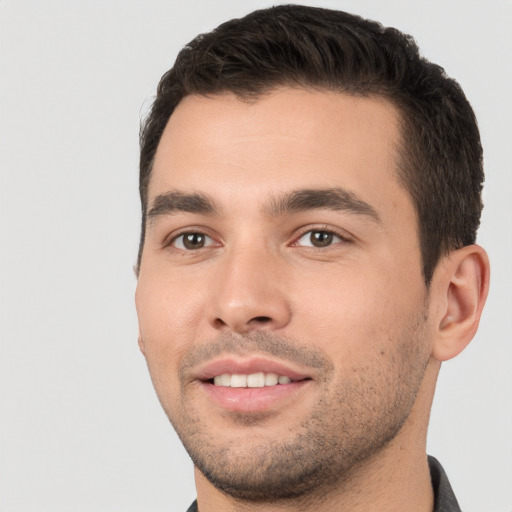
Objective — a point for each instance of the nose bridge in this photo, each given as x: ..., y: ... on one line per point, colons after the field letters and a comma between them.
x: 248, y: 293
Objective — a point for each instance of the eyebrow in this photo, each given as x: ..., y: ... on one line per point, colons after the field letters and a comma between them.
x: 175, y: 202
x: 337, y: 199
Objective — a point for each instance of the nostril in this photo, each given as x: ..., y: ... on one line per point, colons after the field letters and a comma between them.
x: 219, y: 322
x: 262, y: 319
x: 243, y: 324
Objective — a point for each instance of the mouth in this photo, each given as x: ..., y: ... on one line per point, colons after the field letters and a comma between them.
x: 253, y: 380
x: 252, y: 385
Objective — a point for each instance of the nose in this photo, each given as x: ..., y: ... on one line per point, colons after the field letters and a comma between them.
x: 249, y: 293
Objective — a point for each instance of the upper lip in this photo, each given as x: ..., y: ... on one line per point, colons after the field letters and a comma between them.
x: 246, y: 366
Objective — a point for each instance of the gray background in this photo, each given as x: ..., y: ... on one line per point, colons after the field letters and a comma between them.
x: 80, y: 427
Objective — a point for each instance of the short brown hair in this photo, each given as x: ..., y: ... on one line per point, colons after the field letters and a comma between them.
x: 298, y: 46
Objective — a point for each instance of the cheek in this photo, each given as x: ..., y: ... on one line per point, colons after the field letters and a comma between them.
x: 165, y: 300
x: 169, y: 317
x: 355, y: 309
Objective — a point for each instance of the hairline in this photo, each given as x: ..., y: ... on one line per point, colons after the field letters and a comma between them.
x: 401, y: 149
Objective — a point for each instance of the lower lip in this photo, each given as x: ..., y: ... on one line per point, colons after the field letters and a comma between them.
x: 253, y: 399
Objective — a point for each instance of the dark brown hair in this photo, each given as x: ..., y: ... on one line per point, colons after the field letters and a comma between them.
x: 440, y: 160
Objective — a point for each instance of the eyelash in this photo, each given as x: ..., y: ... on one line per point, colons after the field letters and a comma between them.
x: 210, y: 241
x: 343, y: 238
x: 171, y: 241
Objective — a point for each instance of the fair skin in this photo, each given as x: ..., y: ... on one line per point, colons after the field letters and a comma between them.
x: 248, y: 269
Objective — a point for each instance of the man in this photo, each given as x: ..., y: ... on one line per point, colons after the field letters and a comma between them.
x: 310, y: 198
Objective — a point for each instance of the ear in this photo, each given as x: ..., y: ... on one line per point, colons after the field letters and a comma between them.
x: 461, y: 288
x: 141, y: 345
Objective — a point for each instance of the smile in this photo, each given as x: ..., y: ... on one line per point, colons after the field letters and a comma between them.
x: 250, y: 385
x: 253, y: 380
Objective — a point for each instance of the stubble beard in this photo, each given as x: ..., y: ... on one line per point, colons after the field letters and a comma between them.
x: 356, y: 416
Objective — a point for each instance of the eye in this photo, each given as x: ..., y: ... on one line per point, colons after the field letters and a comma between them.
x: 318, y: 238
x: 191, y: 241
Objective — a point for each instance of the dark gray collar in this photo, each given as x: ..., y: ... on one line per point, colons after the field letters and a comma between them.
x: 193, y: 507
x: 444, y: 499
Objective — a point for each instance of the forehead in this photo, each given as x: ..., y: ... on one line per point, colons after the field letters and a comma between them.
x: 289, y: 138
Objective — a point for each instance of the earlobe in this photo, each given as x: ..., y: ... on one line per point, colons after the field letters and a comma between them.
x: 141, y: 345
x: 464, y: 284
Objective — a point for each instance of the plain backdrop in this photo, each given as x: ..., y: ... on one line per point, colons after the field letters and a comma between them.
x: 80, y: 426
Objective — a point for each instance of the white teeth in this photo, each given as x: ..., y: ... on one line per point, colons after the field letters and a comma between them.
x: 254, y: 380
x: 271, y: 379
x: 238, y: 381
x: 222, y: 380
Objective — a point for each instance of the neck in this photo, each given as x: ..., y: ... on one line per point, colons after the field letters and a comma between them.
x: 397, y: 478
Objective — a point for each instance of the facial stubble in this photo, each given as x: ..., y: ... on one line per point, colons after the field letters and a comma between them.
x: 357, y: 414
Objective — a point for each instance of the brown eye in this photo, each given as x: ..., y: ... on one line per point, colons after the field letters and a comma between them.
x: 321, y: 238
x: 318, y: 238
x: 192, y: 241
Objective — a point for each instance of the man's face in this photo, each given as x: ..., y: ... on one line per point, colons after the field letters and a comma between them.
x: 280, y: 245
